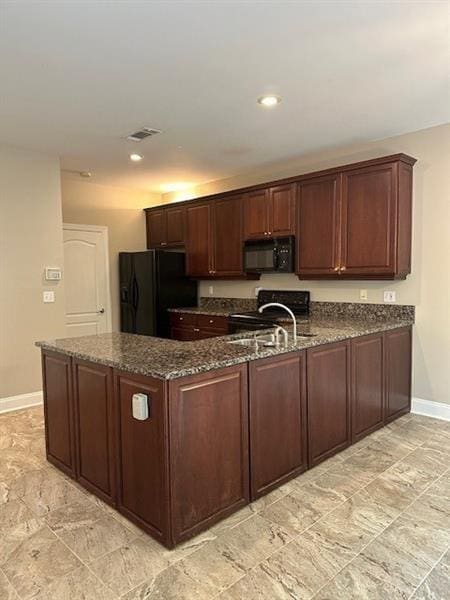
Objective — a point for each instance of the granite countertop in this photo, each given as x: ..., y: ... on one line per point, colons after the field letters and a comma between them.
x: 198, y: 310
x: 170, y: 359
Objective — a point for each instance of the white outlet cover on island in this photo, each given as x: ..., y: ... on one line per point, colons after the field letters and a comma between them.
x: 363, y: 294
x: 389, y: 297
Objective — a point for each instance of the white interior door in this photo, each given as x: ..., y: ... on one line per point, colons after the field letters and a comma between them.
x: 86, y: 280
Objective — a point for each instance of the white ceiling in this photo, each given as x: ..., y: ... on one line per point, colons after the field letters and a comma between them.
x: 75, y: 76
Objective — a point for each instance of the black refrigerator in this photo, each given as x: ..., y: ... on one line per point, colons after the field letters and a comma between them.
x: 150, y: 283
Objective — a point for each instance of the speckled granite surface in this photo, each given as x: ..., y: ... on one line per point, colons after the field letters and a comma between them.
x: 338, y: 310
x: 170, y: 359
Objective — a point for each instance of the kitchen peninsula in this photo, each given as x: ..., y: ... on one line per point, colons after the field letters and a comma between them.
x: 226, y: 422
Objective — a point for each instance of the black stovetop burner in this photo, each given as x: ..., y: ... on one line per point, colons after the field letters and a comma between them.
x: 298, y: 302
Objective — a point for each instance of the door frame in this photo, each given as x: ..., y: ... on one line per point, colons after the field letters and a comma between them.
x: 103, y: 230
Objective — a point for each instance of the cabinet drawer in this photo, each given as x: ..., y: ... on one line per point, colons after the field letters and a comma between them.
x: 183, y: 319
x: 212, y: 322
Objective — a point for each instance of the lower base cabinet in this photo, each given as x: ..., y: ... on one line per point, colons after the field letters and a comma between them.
x: 208, y: 421
x: 214, y: 441
x: 367, y: 381
x: 142, y: 454
x: 94, y: 428
x: 328, y: 384
x: 397, y: 366
x: 277, y: 421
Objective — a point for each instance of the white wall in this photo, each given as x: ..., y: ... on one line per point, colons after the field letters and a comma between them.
x: 428, y: 287
x: 30, y: 240
x: 121, y: 210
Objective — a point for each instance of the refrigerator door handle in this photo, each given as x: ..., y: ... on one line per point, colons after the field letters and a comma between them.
x: 135, y: 293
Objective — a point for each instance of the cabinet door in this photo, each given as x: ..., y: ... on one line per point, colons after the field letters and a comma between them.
x: 369, y: 221
x: 318, y: 225
x: 209, y: 448
x: 282, y: 210
x: 256, y: 214
x: 398, y: 348
x: 58, y: 409
x: 277, y: 421
x: 328, y: 400
x: 94, y: 427
x: 367, y: 385
x: 184, y: 334
x: 227, y: 237
x: 143, y: 454
x: 156, y: 228
x: 175, y: 225
x: 199, y: 246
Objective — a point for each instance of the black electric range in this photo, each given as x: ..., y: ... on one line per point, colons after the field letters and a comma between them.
x: 298, y: 302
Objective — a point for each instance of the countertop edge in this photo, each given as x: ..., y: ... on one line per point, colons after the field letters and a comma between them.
x: 251, y: 355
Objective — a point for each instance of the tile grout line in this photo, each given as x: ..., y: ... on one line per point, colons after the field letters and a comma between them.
x: 429, y: 572
x: 338, y: 506
x: 381, y: 533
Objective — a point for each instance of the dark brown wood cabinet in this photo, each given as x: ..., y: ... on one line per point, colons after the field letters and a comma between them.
x: 367, y: 384
x: 356, y: 223
x: 190, y: 326
x: 166, y: 226
x: 142, y: 451
x: 350, y: 222
x: 398, y: 356
x: 318, y: 226
x: 58, y: 411
x: 277, y: 414
x: 199, y: 251
x: 213, y: 440
x: 94, y: 428
x: 214, y: 238
x: 269, y: 212
x: 208, y: 416
x: 329, y: 408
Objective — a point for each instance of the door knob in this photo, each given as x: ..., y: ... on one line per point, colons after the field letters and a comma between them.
x: 101, y: 311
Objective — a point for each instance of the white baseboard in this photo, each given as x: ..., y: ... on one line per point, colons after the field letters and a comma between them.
x: 21, y: 401
x: 428, y: 408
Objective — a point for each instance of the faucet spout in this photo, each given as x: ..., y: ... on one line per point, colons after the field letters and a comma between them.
x: 294, y: 322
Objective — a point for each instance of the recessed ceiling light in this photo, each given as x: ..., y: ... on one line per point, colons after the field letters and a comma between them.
x: 136, y: 157
x: 269, y: 100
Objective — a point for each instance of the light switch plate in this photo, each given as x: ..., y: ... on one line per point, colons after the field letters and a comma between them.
x: 211, y: 290
x: 363, y: 294
x: 389, y: 296
x: 48, y: 297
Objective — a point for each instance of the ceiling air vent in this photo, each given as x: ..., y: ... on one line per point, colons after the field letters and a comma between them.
x: 141, y: 134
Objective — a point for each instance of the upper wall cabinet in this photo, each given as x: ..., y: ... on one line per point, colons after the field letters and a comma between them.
x: 214, y: 238
x: 356, y: 224
x: 166, y: 226
x: 269, y: 212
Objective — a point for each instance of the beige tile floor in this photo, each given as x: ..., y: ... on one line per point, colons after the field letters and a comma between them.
x: 370, y: 523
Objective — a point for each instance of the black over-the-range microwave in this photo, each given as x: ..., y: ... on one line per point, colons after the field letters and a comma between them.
x: 266, y: 256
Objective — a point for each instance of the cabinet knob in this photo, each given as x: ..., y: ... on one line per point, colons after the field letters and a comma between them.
x: 269, y: 233
x: 181, y: 318
x: 211, y: 320
x: 196, y: 329
x: 336, y: 268
x: 163, y: 243
x: 342, y: 268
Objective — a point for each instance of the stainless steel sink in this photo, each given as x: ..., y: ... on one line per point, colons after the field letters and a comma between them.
x: 254, y: 341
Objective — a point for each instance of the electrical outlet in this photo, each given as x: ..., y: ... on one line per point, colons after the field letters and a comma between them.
x: 363, y: 294
x: 48, y: 296
x: 211, y: 290
x: 389, y: 297
x: 257, y: 291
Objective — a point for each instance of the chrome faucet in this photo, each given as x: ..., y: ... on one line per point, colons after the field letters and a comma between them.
x: 294, y: 322
x: 282, y: 330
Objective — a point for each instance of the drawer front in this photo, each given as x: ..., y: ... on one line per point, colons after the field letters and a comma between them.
x: 183, y: 319
x: 212, y: 322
